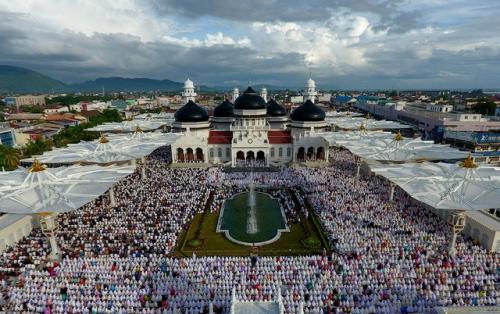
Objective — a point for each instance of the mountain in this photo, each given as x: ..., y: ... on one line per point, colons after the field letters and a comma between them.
x: 120, y: 84
x: 21, y: 80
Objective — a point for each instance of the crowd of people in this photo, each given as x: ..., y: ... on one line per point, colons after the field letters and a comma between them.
x: 388, y: 256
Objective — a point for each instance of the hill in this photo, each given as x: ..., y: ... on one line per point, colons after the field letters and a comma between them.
x: 21, y: 80
x: 119, y: 84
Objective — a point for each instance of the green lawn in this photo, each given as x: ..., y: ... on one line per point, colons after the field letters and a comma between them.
x: 213, y: 243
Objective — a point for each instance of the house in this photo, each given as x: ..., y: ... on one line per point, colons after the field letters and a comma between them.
x: 55, y: 109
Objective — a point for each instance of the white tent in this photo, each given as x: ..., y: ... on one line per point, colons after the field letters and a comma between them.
x: 356, y: 123
x: 155, y: 116
x: 343, y: 137
x: 342, y: 114
x: 129, y: 126
x: 396, y: 148
x: 105, y: 150
x: 460, y: 187
x: 446, y: 186
x: 49, y: 191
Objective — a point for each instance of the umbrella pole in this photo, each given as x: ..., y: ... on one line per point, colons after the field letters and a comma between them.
x: 143, y: 169
x: 391, y: 192
x: 48, y: 223
x: 457, y: 223
x: 112, y: 199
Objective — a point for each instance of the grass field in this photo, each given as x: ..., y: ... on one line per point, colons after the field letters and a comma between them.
x: 295, y: 242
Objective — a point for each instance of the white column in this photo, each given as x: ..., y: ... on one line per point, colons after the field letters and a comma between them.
x: 210, y: 308
x: 143, y: 169
x: 48, y: 223
x: 112, y: 199
x: 457, y: 223
x: 301, y: 307
x: 233, y: 300
x: 391, y: 192
x: 358, y: 168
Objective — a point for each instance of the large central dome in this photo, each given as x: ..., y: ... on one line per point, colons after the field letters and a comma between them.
x: 249, y: 100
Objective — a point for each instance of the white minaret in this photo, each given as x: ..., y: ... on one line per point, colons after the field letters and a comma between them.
x: 189, y: 93
x: 263, y: 93
x: 236, y: 94
x: 310, y: 90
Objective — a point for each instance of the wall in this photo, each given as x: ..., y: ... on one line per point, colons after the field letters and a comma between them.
x: 13, y: 228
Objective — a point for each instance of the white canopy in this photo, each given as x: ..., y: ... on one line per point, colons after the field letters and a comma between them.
x: 349, y: 123
x: 383, y: 146
x: 116, y: 148
x: 342, y: 114
x: 154, y: 116
x: 129, y: 126
x: 343, y: 137
x: 55, y: 190
x: 447, y: 186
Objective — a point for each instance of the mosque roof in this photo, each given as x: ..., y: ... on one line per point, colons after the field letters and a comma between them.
x: 308, y: 111
x: 274, y: 109
x: 191, y: 112
x: 225, y: 109
x: 249, y: 100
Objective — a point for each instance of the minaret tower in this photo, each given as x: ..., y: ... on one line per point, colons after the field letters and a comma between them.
x: 310, y: 90
x: 236, y: 93
x: 263, y: 93
x: 189, y: 93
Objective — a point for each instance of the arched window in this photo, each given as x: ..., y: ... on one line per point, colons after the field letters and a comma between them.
x: 272, y: 151
x: 219, y: 152
x: 228, y: 152
x: 280, y: 152
x: 288, y: 151
x: 211, y: 152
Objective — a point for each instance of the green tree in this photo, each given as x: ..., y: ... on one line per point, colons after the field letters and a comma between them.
x: 485, y: 106
x: 9, y: 158
x: 37, y: 147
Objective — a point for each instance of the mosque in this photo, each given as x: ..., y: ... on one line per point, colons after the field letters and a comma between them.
x: 249, y: 129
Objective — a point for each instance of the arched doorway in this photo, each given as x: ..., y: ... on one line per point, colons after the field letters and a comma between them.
x: 261, y: 157
x: 199, y: 154
x: 320, y: 153
x: 250, y: 156
x: 189, y: 154
x: 310, y: 153
x: 301, y: 154
x: 180, y: 155
x: 240, y: 155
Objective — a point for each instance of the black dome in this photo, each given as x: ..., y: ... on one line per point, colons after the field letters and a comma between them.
x: 249, y: 100
x: 191, y: 112
x: 225, y: 109
x: 308, y: 111
x: 274, y: 109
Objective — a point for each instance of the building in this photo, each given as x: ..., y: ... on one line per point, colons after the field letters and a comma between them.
x: 30, y: 100
x: 55, y: 109
x: 7, y: 137
x: 250, y: 131
x: 484, y: 145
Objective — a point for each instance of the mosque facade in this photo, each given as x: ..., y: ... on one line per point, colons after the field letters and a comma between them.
x: 249, y: 129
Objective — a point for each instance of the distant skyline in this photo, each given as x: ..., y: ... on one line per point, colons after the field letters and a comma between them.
x: 346, y: 44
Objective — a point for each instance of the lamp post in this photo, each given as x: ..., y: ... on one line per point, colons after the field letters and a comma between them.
x: 456, y: 221
x: 49, y: 226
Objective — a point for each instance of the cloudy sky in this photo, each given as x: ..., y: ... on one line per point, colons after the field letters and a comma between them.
x: 360, y: 44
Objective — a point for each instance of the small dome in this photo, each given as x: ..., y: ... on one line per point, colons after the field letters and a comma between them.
x: 249, y: 100
x: 188, y: 84
x: 274, y: 109
x: 311, y: 83
x: 308, y: 111
x: 225, y: 109
x: 191, y: 112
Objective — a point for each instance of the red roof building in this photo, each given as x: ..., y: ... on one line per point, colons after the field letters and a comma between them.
x: 220, y: 137
x: 279, y: 137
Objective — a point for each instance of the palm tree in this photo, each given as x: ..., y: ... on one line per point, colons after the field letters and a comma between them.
x: 11, y: 156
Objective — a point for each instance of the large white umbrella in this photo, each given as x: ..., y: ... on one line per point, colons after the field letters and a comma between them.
x: 463, y: 186
x: 106, y: 150
x: 129, y: 126
x: 401, y: 149
x: 356, y: 123
x: 49, y: 191
x: 343, y: 137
